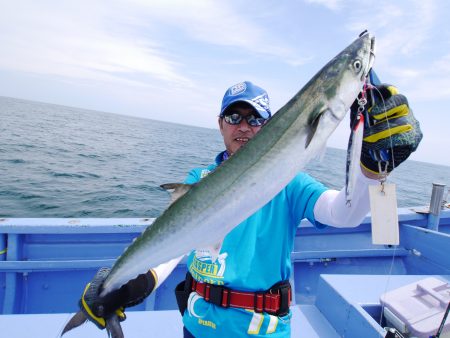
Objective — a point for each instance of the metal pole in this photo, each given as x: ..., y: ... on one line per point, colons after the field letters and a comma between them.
x: 437, y: 196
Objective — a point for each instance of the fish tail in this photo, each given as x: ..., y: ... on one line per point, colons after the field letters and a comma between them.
x: 113, y: 327
x: 78, y: 319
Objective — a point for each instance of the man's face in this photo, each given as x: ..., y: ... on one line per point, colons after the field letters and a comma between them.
x: 235, y: 136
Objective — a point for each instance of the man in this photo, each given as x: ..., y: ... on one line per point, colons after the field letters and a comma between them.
x: 241, y: 287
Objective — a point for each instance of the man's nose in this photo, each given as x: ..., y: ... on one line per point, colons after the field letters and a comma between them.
x: 244, y: 126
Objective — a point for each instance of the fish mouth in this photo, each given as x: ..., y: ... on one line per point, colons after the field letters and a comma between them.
x: 371, y: 57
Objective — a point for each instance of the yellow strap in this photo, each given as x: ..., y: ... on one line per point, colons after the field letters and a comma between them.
x: 120, y: 313
x: 393, y: 90
x: 398, y: 111
x: 387, y: 133
x: 370, y: 170
x: 3, y: 251
x: 99, y: 320
x: 155, y: 276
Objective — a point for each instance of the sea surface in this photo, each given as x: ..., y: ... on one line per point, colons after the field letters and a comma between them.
x: 58, y: 161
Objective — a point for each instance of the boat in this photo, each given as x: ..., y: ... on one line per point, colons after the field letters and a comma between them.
x: 338, y: 275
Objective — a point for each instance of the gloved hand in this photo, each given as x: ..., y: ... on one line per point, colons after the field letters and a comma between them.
x: 391, y: 133
x: 97, y: 309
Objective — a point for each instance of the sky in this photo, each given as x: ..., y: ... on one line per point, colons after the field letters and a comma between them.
x: 172, y: 60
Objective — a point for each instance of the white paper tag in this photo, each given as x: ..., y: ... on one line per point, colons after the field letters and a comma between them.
x: 383, y: 209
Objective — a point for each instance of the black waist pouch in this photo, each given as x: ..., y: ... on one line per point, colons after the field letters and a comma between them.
x: 182, y: 296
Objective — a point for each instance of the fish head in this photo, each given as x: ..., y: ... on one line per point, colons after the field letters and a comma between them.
x: 348, y: 72
x: 335, y: 87
x: 340, y: 81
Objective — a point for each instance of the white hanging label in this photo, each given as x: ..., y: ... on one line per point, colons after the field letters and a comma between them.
x: 383, y: 209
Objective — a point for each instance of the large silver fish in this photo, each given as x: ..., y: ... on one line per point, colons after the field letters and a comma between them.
x: 256, y: 173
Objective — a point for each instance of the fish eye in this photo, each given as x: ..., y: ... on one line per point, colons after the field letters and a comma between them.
x: 357, y: 65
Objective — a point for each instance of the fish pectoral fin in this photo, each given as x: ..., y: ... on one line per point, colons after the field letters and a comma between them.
x: 312, y: 128
x: 320, y: 128
x: 78, y: 319
x: 179, y: 189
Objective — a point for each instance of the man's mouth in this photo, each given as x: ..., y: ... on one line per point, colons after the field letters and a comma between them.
x: 242, y: 139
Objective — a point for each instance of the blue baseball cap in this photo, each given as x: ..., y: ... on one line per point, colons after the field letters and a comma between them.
x: 250, y: 93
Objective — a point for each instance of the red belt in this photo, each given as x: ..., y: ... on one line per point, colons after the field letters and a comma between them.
x: 275, y: 301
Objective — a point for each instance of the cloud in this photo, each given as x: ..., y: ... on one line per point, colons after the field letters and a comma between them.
x: 49, y: 39
x: 398, y: 31
x: 330, y: 4
x: 222, y: 24
x: 442, y: 66
x: 408, y: 51
x: 128, y: 42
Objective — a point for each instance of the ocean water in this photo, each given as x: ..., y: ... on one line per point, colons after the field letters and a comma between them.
x: 58, y: 161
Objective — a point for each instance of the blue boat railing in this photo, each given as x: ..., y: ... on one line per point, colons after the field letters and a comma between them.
x: 45, y: 263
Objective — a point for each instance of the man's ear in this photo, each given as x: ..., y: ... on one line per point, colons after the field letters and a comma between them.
x: 220, y: 121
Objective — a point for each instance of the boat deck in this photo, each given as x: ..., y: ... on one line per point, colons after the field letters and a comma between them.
x: 347, y: 305
x: 338, y: 275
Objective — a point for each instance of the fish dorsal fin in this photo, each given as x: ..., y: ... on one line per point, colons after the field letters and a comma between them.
x: 179, y: 189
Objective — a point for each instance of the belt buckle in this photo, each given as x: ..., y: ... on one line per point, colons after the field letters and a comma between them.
x: 283, y: 289
x: 285, y: 300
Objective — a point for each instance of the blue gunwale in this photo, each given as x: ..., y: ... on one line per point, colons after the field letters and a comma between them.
x: 45, y: 263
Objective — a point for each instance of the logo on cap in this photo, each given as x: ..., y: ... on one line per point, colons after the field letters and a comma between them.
x: 238, y: 88
x: 262, y: 102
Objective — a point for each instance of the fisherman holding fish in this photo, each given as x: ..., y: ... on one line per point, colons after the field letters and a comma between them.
x: 240, y: 286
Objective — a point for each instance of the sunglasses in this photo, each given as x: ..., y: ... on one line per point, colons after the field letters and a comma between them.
x: 235, y: 118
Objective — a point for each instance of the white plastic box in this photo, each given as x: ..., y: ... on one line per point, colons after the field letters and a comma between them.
x: 418, y: 308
